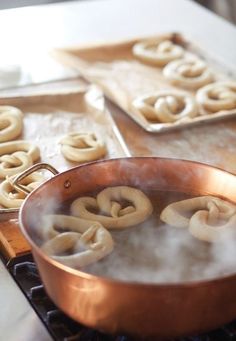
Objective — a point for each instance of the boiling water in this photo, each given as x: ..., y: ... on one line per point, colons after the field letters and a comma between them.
x: 153, y: 252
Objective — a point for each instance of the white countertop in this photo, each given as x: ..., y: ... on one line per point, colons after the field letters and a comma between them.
x: 31, y: 31
x: 18, y: 322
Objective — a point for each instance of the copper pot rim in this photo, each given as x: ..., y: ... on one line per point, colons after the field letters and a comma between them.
x: 116, y: 282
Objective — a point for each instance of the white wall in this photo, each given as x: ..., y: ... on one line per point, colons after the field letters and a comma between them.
x: 19, y: 3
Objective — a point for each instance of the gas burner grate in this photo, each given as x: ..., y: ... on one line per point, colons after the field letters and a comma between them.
x: 62, y: 328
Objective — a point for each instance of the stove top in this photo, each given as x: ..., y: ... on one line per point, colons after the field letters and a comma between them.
x: 61, y: 327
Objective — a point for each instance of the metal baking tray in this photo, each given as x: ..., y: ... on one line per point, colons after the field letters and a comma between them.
x: 113, y: 67
x: 49, y: 115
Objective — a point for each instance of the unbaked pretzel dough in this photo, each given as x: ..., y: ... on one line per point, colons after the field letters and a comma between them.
x: 82, y: 147
x: 219, y: 96
x: 201, y: 228
x: 166, y: 106
x: 157, y: 53
x: 191, y: 74
x: 87, y: 241
x: 12, y: 198
x: 109, y: 204
x: 11, y: 122
x: 208, y: 218
x: 16, y: 156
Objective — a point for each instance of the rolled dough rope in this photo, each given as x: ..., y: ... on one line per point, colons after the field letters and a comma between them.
x: 157, y: 53
x: 10, y: 197
x: 53, y: 224
x: 201, y: 228
x: 166, y: 106
x: 20, y: 146
x: 14, y: 163
x: 11, y: 122
x: 16, y: 156
x: 198, y: 214
x: 108, y: 202
x: 219, y: 96
x: 87, y: 241
x: 82, y: 147
x: 191, y: 74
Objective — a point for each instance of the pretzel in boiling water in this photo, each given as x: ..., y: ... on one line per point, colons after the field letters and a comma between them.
x: 208, y: 218
x: 109, y: 202
x: 86, y: 241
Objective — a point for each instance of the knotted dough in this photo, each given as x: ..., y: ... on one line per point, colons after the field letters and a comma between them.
x: 157, y: 52
x: 82, y: 147
x: 11, y: 122
x: 190, y: 74
x: 109, y: 207
x: 219, y: 96
x: 208, y: 218
x: 166, y: 106
x: 13, y: 198
x: 83, y: 241
x: 16, y: 156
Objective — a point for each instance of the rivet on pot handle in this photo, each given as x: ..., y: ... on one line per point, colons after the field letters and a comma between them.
x: 16, y: 182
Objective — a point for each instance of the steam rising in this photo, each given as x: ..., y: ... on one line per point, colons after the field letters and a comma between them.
x: 152, y: 254
x: 156, y: 253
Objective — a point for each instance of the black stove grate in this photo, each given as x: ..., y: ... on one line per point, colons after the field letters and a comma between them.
x: 62, y: 328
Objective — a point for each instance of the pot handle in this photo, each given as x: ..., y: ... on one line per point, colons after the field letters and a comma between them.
x: 16, y: 182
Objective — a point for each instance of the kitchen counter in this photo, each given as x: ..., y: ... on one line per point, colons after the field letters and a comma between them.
x: 26, y: 31
x: 18, y: 322
x: 27, y: 34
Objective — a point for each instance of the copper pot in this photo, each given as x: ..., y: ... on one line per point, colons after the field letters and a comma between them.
x: 161, y: 310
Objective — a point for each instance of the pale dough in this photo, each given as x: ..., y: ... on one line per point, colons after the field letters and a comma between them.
x: 11, y: 122
x: 166, y: 106
x: 12, y: 198
x: 208, y: 218
x: 201, y: 228
x: 16, y: 156
x: 109, y: 203
x: 190, y: 74
x: 82, y: 147
x: 219, y: 96
x: 87, y: 241
x: 157, y: 52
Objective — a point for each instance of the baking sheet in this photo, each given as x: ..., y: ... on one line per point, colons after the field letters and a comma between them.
x: 51, y: 111
x: 122, y: 77
x: 51, y: 115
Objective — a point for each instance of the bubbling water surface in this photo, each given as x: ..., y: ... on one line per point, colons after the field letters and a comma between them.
x: 154, y: 252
